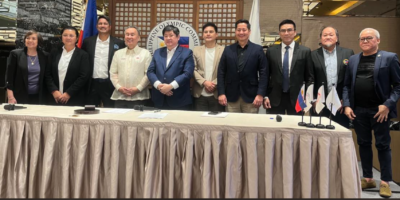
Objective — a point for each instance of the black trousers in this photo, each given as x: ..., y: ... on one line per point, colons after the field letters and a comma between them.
x: 341, y: 119
x: 207, y: 104
x: 364, y: 123
x: 101, y: 91
x: 285, y: 107
x: 187, y: 107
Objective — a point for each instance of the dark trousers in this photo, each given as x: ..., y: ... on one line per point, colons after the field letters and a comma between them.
x: 129, y: 104
x: 187, y: 107
x: 285, y: 107
x: 101, y: 91
x: 207, y: 104
x: 364, y: 123
x: 33, y: 99
x: 341, y: 119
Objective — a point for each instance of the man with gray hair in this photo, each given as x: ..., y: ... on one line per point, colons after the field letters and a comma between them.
x: 370, y: 94
x: 128, y: 72
x: 329, y: 67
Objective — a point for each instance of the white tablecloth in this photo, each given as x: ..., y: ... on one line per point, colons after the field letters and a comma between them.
x: 46, y: 152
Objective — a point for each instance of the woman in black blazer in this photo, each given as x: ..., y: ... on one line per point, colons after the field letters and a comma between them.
x: 68, y: 71
x: 25, y: 72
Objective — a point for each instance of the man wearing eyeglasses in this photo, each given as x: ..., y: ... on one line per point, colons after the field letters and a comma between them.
x: 370, y: 94
x: 329, y: 66
x: 289, y: 66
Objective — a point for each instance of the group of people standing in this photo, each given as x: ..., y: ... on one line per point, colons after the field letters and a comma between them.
x: 236, y: 78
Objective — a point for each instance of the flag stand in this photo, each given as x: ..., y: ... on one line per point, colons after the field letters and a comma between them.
x: 302, y: 123
x: 320, y: 125
x: 330, y: 126
x: 310, y: 125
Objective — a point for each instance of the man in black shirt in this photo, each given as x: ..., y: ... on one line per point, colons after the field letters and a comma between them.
x: 242, y: 73
x: 370, y: 94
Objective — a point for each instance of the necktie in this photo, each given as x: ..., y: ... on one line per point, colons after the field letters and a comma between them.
x: 285, y: 85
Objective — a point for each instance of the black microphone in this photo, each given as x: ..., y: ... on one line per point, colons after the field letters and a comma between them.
x: 142, y: 107
x: 12, y: 107
x: 278, y: 118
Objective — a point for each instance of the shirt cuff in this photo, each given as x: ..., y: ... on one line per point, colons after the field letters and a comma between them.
x: 266, y: 97
x: 175, y: 85
x: 117, y: 87
x: 156, y: 84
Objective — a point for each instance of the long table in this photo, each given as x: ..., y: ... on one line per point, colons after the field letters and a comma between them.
x: 47, y: 151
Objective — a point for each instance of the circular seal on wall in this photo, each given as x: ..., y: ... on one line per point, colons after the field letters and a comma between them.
x: 188, y: 36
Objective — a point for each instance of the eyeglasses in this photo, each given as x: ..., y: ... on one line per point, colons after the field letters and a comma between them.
x: 367, y: 39
x: 286, y: 30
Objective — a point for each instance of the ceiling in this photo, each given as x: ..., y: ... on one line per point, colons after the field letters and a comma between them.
x: 349, y: 8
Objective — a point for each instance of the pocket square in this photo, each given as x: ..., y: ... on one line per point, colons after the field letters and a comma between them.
x: 116, y: 46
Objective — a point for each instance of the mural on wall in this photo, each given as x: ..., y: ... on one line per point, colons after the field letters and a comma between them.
x: 47, y: 17
x: 8, y: 16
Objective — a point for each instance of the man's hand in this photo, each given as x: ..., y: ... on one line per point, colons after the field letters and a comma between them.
x: 125, y: 91
x: 349, y: 113
x: 209, y: 86
x: 267, y: 104
x: 57, y: 94
x: 133, y: 90
x: 64, y: 98
x: 222, y: 100
x: 382, y: 113
x: 258, y: 101
x: 165, y: 88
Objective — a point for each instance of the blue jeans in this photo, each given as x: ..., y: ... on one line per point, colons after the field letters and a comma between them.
x: 364, y: 123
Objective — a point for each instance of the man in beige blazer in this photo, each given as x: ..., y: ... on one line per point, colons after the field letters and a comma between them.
x: 206, y: 59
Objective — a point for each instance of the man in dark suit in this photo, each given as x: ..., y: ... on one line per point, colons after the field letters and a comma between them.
x: 242, y: 73
x: 170, y: 72
x: 329, y: 66
x: 370, y: 94
x: 101, y: 49
x: 289, y: 66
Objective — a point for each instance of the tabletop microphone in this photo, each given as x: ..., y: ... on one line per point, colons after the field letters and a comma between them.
x: 13, y: 107
x: 278, y: 118
x: 142, y: 107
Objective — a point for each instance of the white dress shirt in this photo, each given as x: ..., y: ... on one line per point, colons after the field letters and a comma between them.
x: 100, y: 69
x: 129, y: 69
x: 63, y: 67
x: 210, y: 54
x: 290, y: 53
x: 174, y: 84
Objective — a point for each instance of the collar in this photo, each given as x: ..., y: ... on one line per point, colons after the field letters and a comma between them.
x: 291, y: 45
x: 134, y: 50
x: 64, y: 50
x: 327, y: 52
x: 173, y: 49
x: 98, y: 39
x: 245, y: 46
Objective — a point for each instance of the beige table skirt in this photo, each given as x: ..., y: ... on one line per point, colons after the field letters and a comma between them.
x: 45, y: 152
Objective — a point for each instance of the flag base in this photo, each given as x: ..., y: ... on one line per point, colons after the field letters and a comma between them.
x: 320, y: 126
x: 302, y: 124
x: 330, y: 126
x: 310, y: 125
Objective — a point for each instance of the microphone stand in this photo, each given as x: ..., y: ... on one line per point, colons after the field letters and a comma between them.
x: 330, y: 126
x: 302, y: 123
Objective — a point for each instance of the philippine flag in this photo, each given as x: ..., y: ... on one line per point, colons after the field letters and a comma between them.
x: 300, y: 104
x: 183, y: 41
x: 89, y: 23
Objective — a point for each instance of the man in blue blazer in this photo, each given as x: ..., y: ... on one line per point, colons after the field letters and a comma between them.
x: 170, y: 72
x: 370, y: 94
x: 242, y: 73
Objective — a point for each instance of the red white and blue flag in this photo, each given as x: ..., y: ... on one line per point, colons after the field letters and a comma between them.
x: 89, y: 22
x: 300, y: 104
